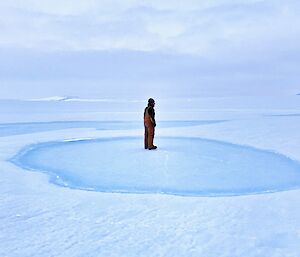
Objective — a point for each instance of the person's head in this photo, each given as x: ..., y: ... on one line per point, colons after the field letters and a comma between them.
x: 151, y: 102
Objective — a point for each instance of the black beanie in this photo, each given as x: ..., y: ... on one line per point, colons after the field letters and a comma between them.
x: 151, y: 101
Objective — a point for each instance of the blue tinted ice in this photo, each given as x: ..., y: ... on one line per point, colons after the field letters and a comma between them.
x: 9, y: 129
x: 183, y: 166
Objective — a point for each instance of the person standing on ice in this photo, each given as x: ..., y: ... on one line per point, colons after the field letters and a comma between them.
x: 149, y: 124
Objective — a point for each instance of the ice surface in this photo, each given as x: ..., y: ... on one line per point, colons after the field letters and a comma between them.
x: 184, y: 166
x: 9, y: 129
x: 41, y: 219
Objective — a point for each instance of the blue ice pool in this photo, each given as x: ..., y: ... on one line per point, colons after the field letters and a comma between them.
x: 180, y: 166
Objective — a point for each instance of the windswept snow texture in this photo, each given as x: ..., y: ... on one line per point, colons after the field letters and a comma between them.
x: 180, y: 166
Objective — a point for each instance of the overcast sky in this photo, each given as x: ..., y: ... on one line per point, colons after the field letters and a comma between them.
x: 224, y: 42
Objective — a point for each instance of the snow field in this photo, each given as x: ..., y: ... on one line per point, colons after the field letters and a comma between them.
x: 38, y: 218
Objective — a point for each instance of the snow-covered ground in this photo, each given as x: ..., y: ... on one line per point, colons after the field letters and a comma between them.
x: 40, y: 218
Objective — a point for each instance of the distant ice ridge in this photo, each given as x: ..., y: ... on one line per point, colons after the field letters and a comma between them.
x: 52, y: 98
x: 78, y: 99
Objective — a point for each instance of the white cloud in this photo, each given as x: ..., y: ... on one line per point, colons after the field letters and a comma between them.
x: 166, y: 29
x: 207, y: 28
